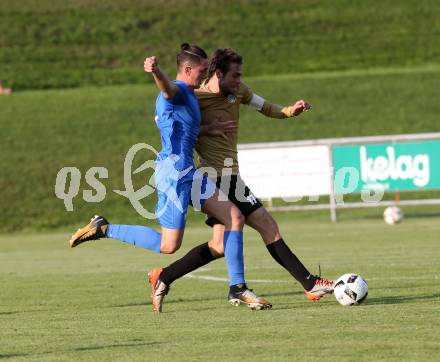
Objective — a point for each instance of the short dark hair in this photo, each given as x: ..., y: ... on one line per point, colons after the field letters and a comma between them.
x: 190, y: 53
x: 221, y: 60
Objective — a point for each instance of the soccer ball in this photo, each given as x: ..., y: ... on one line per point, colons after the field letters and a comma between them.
x: 392, y: 215
x: 350, y: 289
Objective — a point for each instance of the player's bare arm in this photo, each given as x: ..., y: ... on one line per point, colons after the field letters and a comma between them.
x: 273, y: 110
x: 218, y: 127
x: 168, y: 88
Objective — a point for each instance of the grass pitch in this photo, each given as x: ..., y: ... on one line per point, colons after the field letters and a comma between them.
x: 89, y: 303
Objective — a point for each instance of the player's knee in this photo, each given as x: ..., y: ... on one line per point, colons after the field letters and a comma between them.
x: 269, y: 236
x: 170, y: 246
x: 169, y: 249
x: 270, y: 232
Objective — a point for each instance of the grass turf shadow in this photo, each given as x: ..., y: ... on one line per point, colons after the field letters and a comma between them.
x: 80, y: 349
x: 400, y: 299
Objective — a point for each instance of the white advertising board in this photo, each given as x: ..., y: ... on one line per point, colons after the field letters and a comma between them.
x: 286, y: 171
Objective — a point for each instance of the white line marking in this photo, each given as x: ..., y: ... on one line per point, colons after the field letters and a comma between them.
x: 222, y: 279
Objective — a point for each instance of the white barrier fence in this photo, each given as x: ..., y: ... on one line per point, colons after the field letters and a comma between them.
x: 371, y: 165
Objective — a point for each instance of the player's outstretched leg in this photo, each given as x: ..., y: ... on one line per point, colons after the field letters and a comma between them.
x: 315, y: 287
x: 161, y: 278
x: 137, y: 235
x: 238, y: 294
x: 94, y: 230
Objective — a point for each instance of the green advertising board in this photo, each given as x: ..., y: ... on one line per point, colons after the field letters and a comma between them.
x: 391, y: 167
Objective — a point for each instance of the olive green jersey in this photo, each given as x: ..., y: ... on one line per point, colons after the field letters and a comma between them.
x: 213, y: 151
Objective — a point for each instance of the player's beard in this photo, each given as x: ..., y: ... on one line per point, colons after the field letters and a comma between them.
x: 225, y: 90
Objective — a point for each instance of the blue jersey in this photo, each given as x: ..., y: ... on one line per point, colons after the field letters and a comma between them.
x: 177, y: 181
x: 178, y: 120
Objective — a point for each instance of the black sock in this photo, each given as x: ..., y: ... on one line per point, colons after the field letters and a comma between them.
x: 238, y: 288
x: 194, y: 259
x: 284, y: 256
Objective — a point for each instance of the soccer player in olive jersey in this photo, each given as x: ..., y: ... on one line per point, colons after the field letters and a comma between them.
x: 178, y: 183
x: 220, y: 97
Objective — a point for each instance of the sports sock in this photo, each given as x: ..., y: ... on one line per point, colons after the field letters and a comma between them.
x: 194, y: 259
x: 237, y: 288
x: 233, y: 246
x: 137, y: 235
x: 284, y: 256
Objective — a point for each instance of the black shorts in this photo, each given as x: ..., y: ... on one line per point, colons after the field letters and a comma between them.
x: 239, y: 194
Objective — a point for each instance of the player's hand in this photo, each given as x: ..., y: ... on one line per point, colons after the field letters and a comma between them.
x: 299, y: 107
x: 150, y: 64
x: 220, y: 127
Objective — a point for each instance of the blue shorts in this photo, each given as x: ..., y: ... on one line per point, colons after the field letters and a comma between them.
x: 174, y: 197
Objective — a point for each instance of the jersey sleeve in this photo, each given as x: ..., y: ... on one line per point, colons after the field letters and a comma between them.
x: 179, y: 98
x: 245, y: 93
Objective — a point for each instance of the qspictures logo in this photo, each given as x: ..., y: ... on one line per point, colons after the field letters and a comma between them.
x: 68, y: 180
x: 164, y: 175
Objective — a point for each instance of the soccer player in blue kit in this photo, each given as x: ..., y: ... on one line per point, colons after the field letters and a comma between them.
x: 178, y: 182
